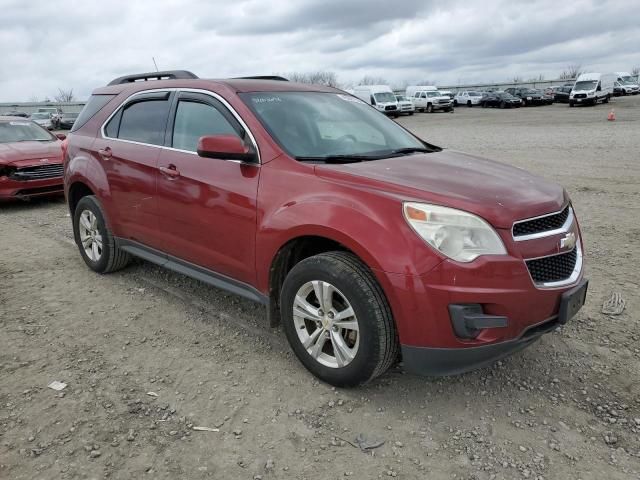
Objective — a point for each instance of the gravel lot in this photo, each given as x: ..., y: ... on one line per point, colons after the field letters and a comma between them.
x: 149, y: 355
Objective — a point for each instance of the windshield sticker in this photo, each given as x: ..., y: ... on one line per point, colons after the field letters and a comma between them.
x: 20, y: 124
x: 266, y: 99
x: 349, y: 98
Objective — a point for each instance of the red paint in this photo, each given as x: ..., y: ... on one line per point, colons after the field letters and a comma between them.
x: 234, y: 217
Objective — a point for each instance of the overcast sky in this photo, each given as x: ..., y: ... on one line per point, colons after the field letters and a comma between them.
x: 82, y: 44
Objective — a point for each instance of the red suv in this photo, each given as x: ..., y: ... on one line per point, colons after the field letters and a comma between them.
x: 364, y: 241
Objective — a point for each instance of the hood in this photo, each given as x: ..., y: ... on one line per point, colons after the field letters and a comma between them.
x: 18, y: 153
x: 496, y: 192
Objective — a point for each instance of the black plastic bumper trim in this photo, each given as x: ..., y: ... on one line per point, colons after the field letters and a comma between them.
x: 433, y: 361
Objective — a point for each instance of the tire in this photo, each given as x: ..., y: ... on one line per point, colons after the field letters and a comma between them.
x: 429, y: 108
x: 455, y: 102
x: 502, y: 104
x: 410, y: 113
x: 483, y: 104
x: 606, y: 99
x: 375, y: 347
x: 107, y: 257
x: 571, y: 104
x: 469, y: 104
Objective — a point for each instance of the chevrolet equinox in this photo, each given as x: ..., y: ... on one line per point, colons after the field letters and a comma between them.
x: 365, y: 242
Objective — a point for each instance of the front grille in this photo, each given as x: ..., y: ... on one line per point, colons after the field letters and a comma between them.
x: 580, y: 95
x: 542, y: 224
x: 390, y: 108
x: 444, y: 101
x: 39, y: 172
x: 553, y: 269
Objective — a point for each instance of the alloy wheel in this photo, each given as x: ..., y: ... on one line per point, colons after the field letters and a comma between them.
x: 326, y: 324
x: 90, y: 235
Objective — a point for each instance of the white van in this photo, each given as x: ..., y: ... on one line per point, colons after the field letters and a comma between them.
x: 591, y: 88
x: 428, y: 98
x: 380, y: 96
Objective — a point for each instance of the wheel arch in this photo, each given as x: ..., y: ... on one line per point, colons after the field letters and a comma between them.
x: 302, y: 246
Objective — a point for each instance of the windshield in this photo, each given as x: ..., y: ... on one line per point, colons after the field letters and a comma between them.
x: 628, y: 79
x: 22, y: 131
x: 316, y: 125
x: 400, y: 98
x: 585, y: 85
x: 40, y: 116
x: 384, y: 97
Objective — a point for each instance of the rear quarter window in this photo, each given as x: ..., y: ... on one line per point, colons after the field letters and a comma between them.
x: 93, y: 106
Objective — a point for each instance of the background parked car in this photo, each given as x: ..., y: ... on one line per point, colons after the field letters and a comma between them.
x: 65, y: 121
x: 468, y: 98
x: 30, y: 159
x: 16, y: 113
x: 500, y: 100
x: 405, y: 105
x: 54, y: 112
x: 379, y: 96
x: 43, y: 119
x: 428, y: 98
x: 617, y: 89
x: 529, y: 96
x: 561, y: 94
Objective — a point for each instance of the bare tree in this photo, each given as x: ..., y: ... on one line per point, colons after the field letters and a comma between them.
x: 64, y: 95
x: 516, y: 79
x: 371, y: 80
x: 571, y: 71
x: 635, y: 70
x: 319, y: 78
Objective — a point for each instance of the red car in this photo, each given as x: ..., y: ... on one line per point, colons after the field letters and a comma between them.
x: 363, y: 240
x: 30, y: 160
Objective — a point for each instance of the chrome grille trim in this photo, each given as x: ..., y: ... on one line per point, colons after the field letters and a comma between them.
x: 566, y: 226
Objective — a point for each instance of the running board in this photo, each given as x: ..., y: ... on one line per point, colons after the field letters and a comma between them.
x: 190, y: 270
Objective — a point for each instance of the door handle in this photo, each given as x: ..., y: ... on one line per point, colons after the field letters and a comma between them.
x: 171, y: 171
x: 105, y: 153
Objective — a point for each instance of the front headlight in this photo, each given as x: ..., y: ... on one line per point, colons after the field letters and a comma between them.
x: 459, y: 235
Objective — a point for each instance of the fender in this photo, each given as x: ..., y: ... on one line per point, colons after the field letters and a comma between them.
x: 385, y: 243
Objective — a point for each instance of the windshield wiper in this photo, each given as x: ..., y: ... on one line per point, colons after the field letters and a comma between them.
x: 339, y: 158
x: 406, y: 151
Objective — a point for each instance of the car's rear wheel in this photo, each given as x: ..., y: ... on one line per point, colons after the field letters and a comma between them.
x: 430, y: 108
x: 469, y: 104
x: 337, y: 319
x: 95, y: 241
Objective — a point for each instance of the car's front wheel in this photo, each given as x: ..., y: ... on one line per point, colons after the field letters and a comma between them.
x: 95, y: 241
x: 337, y: 319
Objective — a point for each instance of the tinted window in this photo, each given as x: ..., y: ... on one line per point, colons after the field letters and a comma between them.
x: 93, y: 106
x: 194, y: 120
x: 144, y: 122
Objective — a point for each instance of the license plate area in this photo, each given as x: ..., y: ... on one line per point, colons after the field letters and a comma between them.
x: 572, y: 301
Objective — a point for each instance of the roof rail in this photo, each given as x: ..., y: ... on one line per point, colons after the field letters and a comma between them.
x: 166, y: 75
x: 263, y: 77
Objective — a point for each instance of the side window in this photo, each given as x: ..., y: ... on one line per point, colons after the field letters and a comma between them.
x: 423, y: 95
x: 417, y: 95
x: 143, y: 122
x: 196, y: 119
x: 372, y: 100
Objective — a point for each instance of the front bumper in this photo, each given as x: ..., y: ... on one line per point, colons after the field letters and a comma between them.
x: 15, y: 189
x: 442, y: 106
x: 435, y: 361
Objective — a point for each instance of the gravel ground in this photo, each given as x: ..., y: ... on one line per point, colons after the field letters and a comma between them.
x: 148, y: 355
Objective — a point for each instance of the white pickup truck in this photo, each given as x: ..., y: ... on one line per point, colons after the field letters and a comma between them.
x: 427, y: 98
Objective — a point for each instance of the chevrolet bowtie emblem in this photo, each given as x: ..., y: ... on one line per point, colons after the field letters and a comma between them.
x: 568, y: 242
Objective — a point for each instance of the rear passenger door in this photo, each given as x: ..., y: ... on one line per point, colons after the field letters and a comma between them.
x: 207, y: 205
x: 129, y: 150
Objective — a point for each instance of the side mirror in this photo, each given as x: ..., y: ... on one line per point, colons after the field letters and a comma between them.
x: 61, y: 136
x: 225, y: 147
